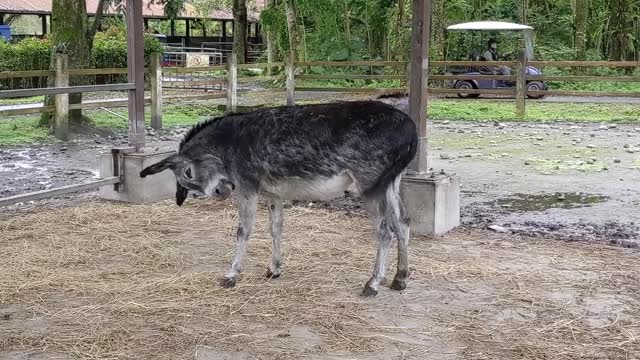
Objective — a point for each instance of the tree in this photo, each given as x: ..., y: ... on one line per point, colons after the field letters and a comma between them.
x: 580, y: 9
x: 240, y: 30
x: 270, y: 30
x: 69, y: 29
x: 71, y: 34
x: 292, y: 26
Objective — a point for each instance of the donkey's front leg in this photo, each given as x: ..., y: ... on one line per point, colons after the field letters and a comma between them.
x: 275, y: 216
x: 247, y: 211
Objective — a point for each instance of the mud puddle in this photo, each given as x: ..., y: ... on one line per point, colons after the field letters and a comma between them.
x: 542, y: 202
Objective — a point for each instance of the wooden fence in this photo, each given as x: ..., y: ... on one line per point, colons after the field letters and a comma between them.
x: 295, y: 74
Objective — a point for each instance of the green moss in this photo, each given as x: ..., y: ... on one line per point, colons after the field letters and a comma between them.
x: 535, y: 111
x: 22, y: 130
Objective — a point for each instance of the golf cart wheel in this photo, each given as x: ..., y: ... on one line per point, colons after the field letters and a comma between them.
x: 535, y: 86
x: 464, y: 85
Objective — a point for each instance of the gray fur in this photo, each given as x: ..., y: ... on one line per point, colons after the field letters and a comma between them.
x: 308, y: 152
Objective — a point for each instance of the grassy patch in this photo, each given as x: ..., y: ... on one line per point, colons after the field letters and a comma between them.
x: 473, y: 110
x: 22, y: 130
x: 19, y: 101
x: 173, y: 116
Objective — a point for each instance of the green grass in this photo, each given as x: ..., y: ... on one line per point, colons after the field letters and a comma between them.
x: 172, y: 116
x: 535, y: 111
x: 24, y: 130
x: 23, y: 100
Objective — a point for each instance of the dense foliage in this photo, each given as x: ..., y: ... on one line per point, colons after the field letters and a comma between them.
x: 109, y: 51
x: 363, y: 29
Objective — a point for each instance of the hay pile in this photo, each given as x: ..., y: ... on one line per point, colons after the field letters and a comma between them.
x: 104, y: 280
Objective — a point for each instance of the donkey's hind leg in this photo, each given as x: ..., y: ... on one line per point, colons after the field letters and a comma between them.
x: 377, y: 208
x: 400, y: 225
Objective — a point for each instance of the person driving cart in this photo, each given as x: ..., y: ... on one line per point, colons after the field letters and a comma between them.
x: 491, y: 54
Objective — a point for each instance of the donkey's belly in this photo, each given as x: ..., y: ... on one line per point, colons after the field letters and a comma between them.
x: 309, y: 189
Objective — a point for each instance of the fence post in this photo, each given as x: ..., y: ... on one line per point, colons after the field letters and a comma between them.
x: 156, y: 91
x: 291, y: 81
x: 521, y: 85
x: 232, y: 83
x: 62, y: 100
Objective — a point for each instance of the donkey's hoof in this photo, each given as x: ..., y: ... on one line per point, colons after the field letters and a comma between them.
x: 369, y: 291
x: 398, y: 284
x: 271, y: 275
x: 228, y: 282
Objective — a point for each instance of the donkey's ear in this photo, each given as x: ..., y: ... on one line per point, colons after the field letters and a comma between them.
x: 165, y: 164
x: 181, y: 193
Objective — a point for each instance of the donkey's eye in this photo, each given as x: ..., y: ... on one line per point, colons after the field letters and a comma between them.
x: 188, y: 173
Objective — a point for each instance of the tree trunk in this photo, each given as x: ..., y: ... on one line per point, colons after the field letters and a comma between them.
x: 292, y: 26
x: 271, y: 37
x: 617, y: 10
x: 580, y: 23
x: 524, y: 11
x: 240, y: 30
x: 397, y: 28
x: 69, y: 35
x: 438, y: 24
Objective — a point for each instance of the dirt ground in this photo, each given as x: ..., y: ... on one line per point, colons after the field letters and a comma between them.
x: 86, y: 279
x: 116, y: 281
x: 575, y: 181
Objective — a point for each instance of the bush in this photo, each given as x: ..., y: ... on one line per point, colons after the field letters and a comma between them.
x: 110, y: 48
x: 28, y: 54
x: 109, y: 51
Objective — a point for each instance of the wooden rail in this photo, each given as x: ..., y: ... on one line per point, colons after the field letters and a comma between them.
x: 295, y: 82
x: 43, y: 194
x: 350, y: 77
x: 351, y: 63
x: 585, y: 63
x: 64, y: 90
x: 26, y: 74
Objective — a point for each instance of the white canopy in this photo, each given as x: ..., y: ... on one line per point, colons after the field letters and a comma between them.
x: 489, y: 26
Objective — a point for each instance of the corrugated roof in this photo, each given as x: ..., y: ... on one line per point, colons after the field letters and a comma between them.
x: 148, y: 10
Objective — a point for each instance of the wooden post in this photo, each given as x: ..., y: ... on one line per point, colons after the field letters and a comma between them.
x: 521, y: 85
x: 188, y: 32
x: 224, y: 32
x: 232, y: 83
x: 43, y: 18
x: 156, y: 91
x: 291, y: 82
x: 420, y: 33
x: 173, y: 28
x: 135, y: 65
x: 62, y: 100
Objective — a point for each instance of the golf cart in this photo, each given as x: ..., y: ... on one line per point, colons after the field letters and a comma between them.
x: 493, y: 26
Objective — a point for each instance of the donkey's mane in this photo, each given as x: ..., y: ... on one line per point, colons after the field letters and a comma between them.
x: 199, y: 127
x: 395, y: 94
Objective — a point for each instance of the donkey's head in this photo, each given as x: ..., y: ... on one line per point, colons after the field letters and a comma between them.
x: 205, y: 174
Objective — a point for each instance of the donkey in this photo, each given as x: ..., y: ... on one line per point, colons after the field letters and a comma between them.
x: 306, y: 152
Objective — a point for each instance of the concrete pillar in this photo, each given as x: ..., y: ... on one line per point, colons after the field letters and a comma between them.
x: 432, y: 202
x: 133, y: 188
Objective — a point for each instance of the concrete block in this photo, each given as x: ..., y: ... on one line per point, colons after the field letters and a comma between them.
x: 135, y: 189
x: 432, y: 202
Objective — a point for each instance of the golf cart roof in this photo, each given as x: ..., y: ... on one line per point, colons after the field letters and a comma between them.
x: 489, y: 26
